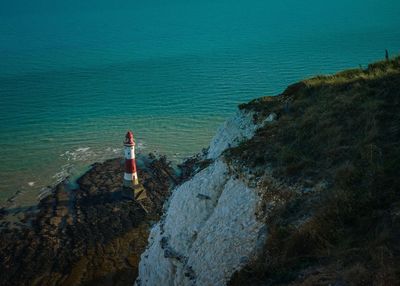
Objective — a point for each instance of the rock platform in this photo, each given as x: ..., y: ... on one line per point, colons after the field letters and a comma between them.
x: 90, y: 235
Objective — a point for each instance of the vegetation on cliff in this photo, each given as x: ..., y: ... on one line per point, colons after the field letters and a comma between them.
x: 337, y: 140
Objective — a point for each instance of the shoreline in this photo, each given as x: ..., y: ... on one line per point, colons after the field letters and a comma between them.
x: 14, y: 201
x: 73, y: 234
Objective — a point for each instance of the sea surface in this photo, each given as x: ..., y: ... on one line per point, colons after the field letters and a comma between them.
x: 76, y: 75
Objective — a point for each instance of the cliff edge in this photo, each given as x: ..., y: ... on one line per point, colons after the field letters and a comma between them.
x: 299, y: 188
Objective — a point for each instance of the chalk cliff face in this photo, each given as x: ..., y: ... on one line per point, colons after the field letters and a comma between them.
x: 210, y: 228
x: 299, y: 198
x: 236, y: 129
x: 231, y: 133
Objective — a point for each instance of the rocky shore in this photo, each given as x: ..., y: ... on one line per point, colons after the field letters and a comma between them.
x: 93, y: 234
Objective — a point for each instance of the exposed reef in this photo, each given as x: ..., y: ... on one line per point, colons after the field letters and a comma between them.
x: 91, y: 235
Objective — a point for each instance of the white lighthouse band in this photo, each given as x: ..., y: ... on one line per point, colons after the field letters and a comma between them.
x: 132, y: 178
x: 129, y: 152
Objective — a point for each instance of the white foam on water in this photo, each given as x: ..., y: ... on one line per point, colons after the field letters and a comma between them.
x: 79, y: 154
x: 43, y: 193
x: 31, y: 184
x: 140, y: 146
x: 113, y: 151
x: 63, y: 173
x: 82, y: 149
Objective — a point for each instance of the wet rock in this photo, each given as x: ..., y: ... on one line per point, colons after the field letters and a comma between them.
x: 93, y: 234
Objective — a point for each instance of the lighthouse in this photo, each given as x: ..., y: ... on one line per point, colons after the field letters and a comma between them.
x: 130, y: 175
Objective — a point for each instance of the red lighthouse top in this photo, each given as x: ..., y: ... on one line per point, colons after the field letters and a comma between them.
x: 129, y: 139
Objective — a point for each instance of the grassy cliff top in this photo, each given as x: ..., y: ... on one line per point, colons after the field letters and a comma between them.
x: 342, y: 130
x: 372, y: 72
x: 326, y: 122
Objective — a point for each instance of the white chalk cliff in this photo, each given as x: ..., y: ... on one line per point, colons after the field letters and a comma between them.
x: 210, y: 229
x: 235, y: 130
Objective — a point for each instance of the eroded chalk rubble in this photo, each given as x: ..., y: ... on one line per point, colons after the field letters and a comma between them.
x: 210, y: 229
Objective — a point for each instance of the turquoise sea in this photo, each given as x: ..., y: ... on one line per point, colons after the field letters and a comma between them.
x: 76, y: 75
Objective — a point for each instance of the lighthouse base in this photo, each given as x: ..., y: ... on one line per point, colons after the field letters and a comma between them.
x: 131, y: 184
x: 139, y: 193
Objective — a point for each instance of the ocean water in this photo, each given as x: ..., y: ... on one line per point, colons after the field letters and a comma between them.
x: 76, y: 75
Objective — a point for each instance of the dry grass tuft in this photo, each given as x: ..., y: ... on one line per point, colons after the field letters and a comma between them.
x: 343, y: 130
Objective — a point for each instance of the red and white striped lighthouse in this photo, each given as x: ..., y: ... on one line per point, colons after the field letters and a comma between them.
x: 130, y: 175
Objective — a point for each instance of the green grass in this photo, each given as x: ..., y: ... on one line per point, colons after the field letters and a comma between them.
x: 341, y: 130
